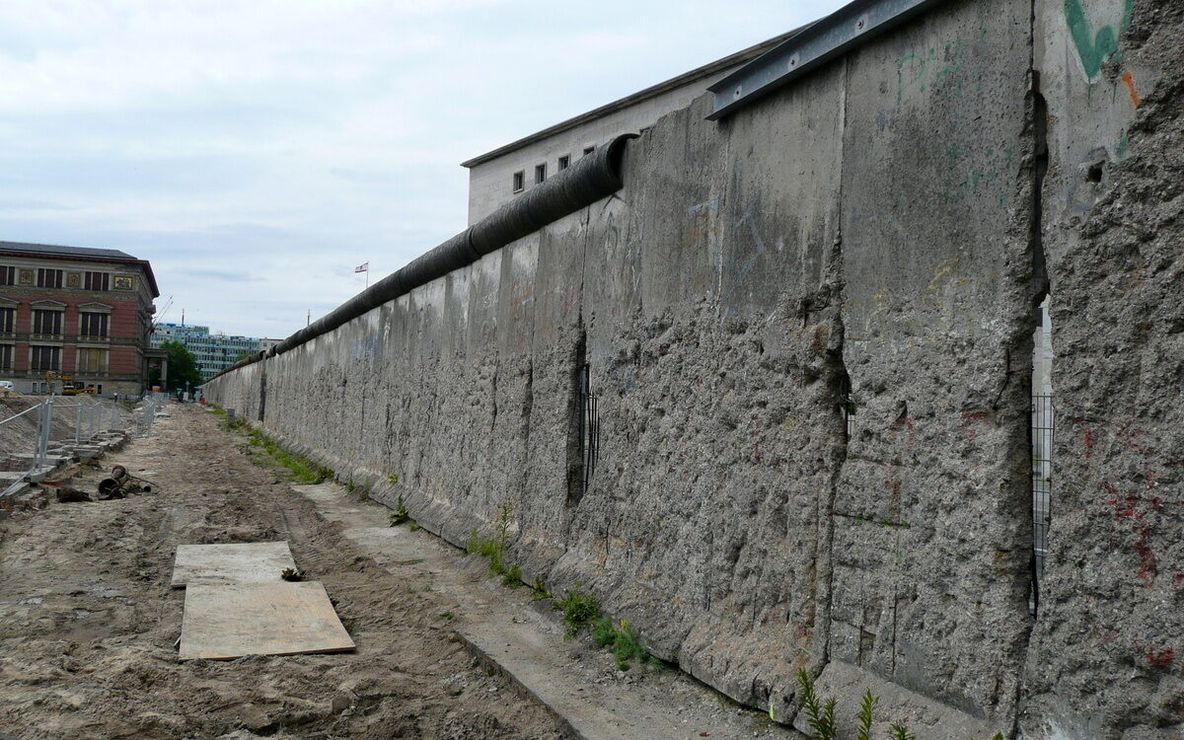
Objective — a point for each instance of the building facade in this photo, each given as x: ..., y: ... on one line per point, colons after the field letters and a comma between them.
x: 74, y: 315
x: 499, y: 176
x: 212, y: 352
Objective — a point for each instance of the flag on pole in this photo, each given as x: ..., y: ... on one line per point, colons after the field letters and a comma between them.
x: 364, y: 267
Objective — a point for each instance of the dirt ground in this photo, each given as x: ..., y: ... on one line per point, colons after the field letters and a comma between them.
x: 89, y: 623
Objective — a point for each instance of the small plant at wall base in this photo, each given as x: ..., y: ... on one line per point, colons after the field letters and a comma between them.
x: 513, y: 577
x: 866, y: 710
x: 820, y: 715
x: 900, y: 732
x: 621, y: 640
x: 300, y: 469
x: 495, y: 549
x: 579, y: 610
x: 400, y: 514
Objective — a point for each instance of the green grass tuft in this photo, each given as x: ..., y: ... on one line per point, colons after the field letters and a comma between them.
x: 579, y: 610
x: 400, y: 514
x: 300, y: 469
x: 512, y: 577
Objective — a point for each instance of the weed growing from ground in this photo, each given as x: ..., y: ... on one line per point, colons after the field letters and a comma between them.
x: 400, y: 515
x: 621, y: 640
x: 300, y: 469
x: 225, y: 421
x: 512, y: 577
x: 538, y: 590
x: 579, y: 610
x: 900, y: 732
x: 866, y: 709
x: 495, y: 549
x: 488, y: 549
x: 820, y: 717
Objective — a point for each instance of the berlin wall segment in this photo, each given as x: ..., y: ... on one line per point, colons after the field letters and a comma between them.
x: 932, y: 541
x: 1105, y: 656
x: 866, y: 242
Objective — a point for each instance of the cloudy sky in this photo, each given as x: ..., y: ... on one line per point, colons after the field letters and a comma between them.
x: 256, y: 151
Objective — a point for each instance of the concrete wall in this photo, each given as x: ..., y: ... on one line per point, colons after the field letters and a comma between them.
x: 810, y: 331
x: 1105, y: 655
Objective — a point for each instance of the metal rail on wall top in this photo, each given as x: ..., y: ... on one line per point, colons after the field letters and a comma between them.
x: 847, y: 28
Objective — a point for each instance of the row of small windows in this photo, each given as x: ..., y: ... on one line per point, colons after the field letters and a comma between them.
x: 49, y: 322
x: 540, y: 170
x: 90, y: 361
x: 52, y: 278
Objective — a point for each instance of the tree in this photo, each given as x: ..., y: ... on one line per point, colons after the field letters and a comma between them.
x: 182, y: 367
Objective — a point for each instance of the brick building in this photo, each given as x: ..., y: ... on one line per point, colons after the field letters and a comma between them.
x: 74, y: 314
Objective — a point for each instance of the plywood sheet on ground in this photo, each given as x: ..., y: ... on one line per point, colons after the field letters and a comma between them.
x: 248, y: 562
x: 229, y: 620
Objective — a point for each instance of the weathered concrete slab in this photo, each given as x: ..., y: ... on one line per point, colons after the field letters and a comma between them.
x: 518, y: 637
x: 249, y: 562
x: 924, y: 717
x: 931, y: 540
x: 1107, y: 647
x: 230, y: 620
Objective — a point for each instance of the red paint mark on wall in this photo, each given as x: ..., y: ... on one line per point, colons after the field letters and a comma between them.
x: 1125, y: 507
x: 1148, y: 564
x: 971, y: 418
x: 1132, y: 440
x: 1089, y: 443
x: 1161, y: 658
x: 1128, y: 79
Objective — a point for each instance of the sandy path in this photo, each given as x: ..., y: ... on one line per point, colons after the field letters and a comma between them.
x: 88, y: 622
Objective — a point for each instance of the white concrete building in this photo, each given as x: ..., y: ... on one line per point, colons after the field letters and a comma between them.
x: 498, y: 176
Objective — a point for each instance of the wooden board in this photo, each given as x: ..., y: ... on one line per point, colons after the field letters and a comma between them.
x: 248, y: 562
x: 230, y: 620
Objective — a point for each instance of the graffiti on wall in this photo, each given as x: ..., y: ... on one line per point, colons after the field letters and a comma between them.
x: 1097, y: 44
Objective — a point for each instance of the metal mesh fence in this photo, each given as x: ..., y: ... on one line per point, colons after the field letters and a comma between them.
x: 1043, y: 421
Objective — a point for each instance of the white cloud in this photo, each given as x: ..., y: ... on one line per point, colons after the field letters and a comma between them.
x: 283, y: 141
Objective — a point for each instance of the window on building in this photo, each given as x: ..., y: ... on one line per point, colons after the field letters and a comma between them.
x: 540, y: 173
x: 7, y: 276
x: 96, y: 281
x: 94, y: 324
x: 47, y: 322
x: 6, y: 357
x: 47, y: 278
x: 7, y: 320
x: 92, y: 361
x: 519, y: 181
x: 45, y: 358
x: 588, y: 150
x: 564, y: 162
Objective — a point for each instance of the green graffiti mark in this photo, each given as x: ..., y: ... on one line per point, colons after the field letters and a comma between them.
x: 1124, y: 147
x: 1094, y: 49
x: 919, y: 71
